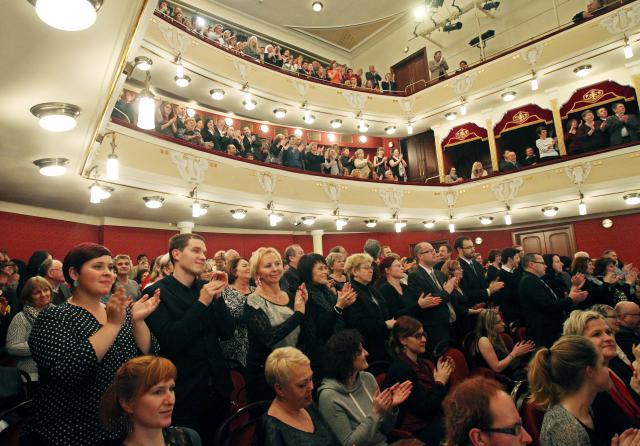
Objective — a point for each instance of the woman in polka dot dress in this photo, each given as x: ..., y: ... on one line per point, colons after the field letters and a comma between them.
x: 78, y: 347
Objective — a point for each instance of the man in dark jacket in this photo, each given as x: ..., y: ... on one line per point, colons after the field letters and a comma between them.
x: 628, y: 314
x: 473, y: 282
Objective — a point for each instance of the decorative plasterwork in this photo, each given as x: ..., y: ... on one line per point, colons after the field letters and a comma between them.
x: 242, y: 68
x: 301, y: 88
x: 333, y: 191
x: 532, y: 54
x: 578, y: 173
x: 506, y: 191
x: 355, y: 100
x: 267, y: 182
x: 623, y: 21
x: 450, y: 198
x: 191, y: 168
x: 407, y: 105
x: 462, y: 84
x: 176, y: 39
x: 392, y: 198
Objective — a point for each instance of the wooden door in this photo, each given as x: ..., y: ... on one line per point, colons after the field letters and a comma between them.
x: 556, y: 240
x: 411, y: 70
x: 421, y: 157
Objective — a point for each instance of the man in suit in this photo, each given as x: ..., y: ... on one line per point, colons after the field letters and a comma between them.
x: 510, y: 161
x: 507, y: 298
x: 51, y: 269
x: 628, y: 314
x: 530, y: 157
x: 291, y: 278
x: 219, y: 135
x: 250, y: 142
x: 473, y: 282
x: 373, y: 76
x: 622, y: 128
x: 444, y: 254
x: 544, y: 311
x: 430, y: 296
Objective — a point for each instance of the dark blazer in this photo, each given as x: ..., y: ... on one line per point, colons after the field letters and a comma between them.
x: 626, y: 339
x: 434, y: 320
x: 531, y: 160
x: 290, y: 281
x: 248, y: 145
x: 544, y: 312
x: 189, y: 333
x: 492, y: 273
x: 506, y: 165
x: 473, y: 282
x: 389, y: 86
x: 507, y: 298
x: 597, y: 140
x: 614, y: 129
x: 369, y: 318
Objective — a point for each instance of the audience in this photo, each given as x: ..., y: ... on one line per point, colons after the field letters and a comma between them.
x: 478, y: 171
x: 438, y: 67
x: 530, y: 157
x: 622, y: 128
x: 628, y: 317
x: 547, y: 146
x: 452, y: 177
x: 510, y: 161
x: 142, y: 392
x: 51, y: 269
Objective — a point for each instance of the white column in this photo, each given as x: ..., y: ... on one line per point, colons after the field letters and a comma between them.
x: 317, y: 240
x: 185, y: 227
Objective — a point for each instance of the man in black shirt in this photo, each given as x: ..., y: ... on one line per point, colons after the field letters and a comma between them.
x: 291, y: 277
x: 190, y: 319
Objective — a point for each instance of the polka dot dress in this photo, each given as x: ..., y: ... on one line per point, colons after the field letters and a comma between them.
x: 72, y: 381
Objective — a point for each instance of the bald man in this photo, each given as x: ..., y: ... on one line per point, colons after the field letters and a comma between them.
x: 581, y: 254
x: 629, y: 317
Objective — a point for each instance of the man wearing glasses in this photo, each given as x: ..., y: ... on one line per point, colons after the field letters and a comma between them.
x: 629, y: 318
x: 480, y: 413
x: 544, y: 311
x: 473, y: 282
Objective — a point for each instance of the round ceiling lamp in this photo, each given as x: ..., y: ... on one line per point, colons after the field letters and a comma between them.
x: 582, y: 70
x: 632, y: 199
x: 550, y: 211
x: 308, y: 220
x: 317, y: 6
x: 309, y: 118
x: 390, y: 130
x: 331, y: 137
x: 52, y: 167
x: 216, y: 94
x: 280, y: 113
x: 153, y: 202
x: 68, y: 15
x: 486, y: 220
x: 508, y: 96
x: 238, y: 214
x: 362, y: 139
x: 143, y: 63
x: 429, y: 223
x: 363, y: 126
x: 264, y: 128
x: 249, y: 104
x: 182, y: 81
x: 228, y: 121
x: 371, y: 223
x: 450, y: 116
x: 297, y: 132
x: 336, y: 123
x: 56, y: 116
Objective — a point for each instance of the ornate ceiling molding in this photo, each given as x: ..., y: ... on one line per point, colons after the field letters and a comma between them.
x: 578, y: 173
x: 267, y: 182
x: 450, y: 197
x: 462, y: 84
x: 242, y: 68
x: 355, y: 100
x: 392, y: 198
x: 506, y: 191
x: 332, y: 190
x: 622, y: 21
x: 532, y: 54
x: 177, y: 40
x: 191, y: 168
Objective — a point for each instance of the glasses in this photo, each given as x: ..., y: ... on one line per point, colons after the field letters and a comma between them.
x: 541, y: 263
x: 418, y: 336
x: 468, y: 247
x: 514, y: 430
x: 427, y: 251
x: 366, y: 267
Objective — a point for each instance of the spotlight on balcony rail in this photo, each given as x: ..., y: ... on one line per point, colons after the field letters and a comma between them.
x: 455, y: 26
x: 488, y: 6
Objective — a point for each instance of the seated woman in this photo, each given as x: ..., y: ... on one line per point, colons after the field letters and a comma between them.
x: 292, y: 418
x: 421, y: 414
x: 36, y: 296
x: 369, y: 313
x: 361, y: 165
x: 323, y: 315
x: 619, y: 287
x: 478, y: 171
x: 547, y: 146
x: 349, y: 398
x: 616, y: 409
x: 78, y: 347
x: 492, y: 353
x: 235, y: 297
x: 565, y: 380
x: 453, y: 177
x: 335, y: 262
x: 273, y: 318
x: 142, y: 392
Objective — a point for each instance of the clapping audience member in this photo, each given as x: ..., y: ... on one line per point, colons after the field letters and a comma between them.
x: 276, y: 151
x: 373, y: 76
x: 335, y: 262
x: 166, y: 119
x: 379, y: 164
x: 235, y: 297
x: 573, y: 138
x: 473, y: 281
x: 36, y: 296
x: 143, y: 393
x: 392, y: 289
x: 78, y: 346
x: 530, y: 157
x: 477, y: 171
x: 51, y: 270
x: 189, y: 132
x: 618, y: 286
x: 465, y: 309
x: 349, y: 398
x: 421, y: 414
x: 398, y: 165
x: 590, y: 134
x: 547, y: 146
x: 510, y: 161
x: 314, y: 160
x: 332, y: 165
x: 389, y: 82
x: 622, y: 127
x: 292, y: 418
x: 361, y: 165
x: 438, y: 67
x: 491, y: 351
x: 452, y: 177
x: 162, y: 267
x: 628, y: 318
x: 273, y: 318
x: 347, y: 161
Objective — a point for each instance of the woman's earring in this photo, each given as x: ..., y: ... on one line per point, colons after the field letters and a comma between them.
x: 76, y: 283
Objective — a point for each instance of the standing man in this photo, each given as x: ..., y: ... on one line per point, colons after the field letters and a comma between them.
x: 373, y: 76
x: 291, y: 277
x: 444, y: 254
x: 544, y: 311
x: 628, y: 314
x: 189, y: 323
x: 142, y: 263
x: 430, y: 296
x: 473, y: 282
x: 507, y: 298
x: 621, y: 127
x: 51, y: 269
x: 122, y: 263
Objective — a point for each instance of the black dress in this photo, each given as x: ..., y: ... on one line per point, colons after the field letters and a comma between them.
x: 273, y: 432
x: 394, y: 300
x: 72, y: 380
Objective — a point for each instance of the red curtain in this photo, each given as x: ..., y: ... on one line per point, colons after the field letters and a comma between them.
x: 597, y: 94
x: 526, y: 115
x: 464, y: 133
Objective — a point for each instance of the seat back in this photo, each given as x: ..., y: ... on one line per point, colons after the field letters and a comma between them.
x: 532, y: 418
x: 11, y: 423
x: 12, y: 389
x: 379, y: 370
x: 508, y: 341
x: 469, y: 349
x: 461, y: 370
x: 239, y: 428
x: 238, y: 397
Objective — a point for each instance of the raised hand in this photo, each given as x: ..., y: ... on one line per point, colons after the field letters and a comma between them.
x: 346, y: 296
x: 428, y: 301
x: 300, y: 302
x: 495, y: 286
x: 382, y: 401
x: 214, y: 288
x: 577, y: 280
x: 144, y: 306
x: 522, y: 348
x: 401, y: 392
x: 578, y: 295
x: 390, y: 323
x: 450, y: 285
x: 116, y: 307
x: 443, y: 370
x: 630, y: 437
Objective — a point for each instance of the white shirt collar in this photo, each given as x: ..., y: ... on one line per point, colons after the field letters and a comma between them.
x: 465, y: 259
x: 428, y: 270
x: 504, y: 267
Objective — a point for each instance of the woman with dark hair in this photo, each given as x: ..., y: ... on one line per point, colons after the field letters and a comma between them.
x: 166, y: 119
x: 33, y: 265
x: 392, y: 289
x: 209, y: 133
x: 79, y: 345
x: 593, y: 138
x: 598, y: 292
x: 493, y: 257
x: 547, y: 146
x: 465, y: 312
x: 618, y: 286
x: 349, y: 398
x: 552, y: 276
x: 36, y: 296
x: 574, y: 138
x: 235, y: 296
x: 142, y: 395
x: 421, y: 414
x: 324, y: 310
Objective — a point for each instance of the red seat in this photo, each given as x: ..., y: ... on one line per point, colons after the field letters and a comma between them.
x: 508, y: 341
x: 469, y: 349
x: 532, y: 421
x: 461, y: 370
x: 239, y: 428
x: 520, y: 333
x: 238, y: 395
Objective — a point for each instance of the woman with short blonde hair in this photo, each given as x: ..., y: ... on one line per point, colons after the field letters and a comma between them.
x: 355, y: 261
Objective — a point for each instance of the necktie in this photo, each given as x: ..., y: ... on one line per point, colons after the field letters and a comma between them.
x: 432, y: 274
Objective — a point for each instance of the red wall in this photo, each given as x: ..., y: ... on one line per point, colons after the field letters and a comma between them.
x: 20, y: 235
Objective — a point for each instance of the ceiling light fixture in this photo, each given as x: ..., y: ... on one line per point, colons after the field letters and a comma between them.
x: 331, y: 137
x: 632, y: 198
x: 146, y: 106
x: 68, y: 15
x: 191, y: 112
x: 200, y: 22
x: 199, y: 209
x: 154, y: 202
x: 308, y: 220
x: 217, y: 94
x: 534, y: 81
x: 463, y: 107
x: 179, y: 66
x: 420, y: 12
x: 275, y: 218
x: 485, y: 220
x: 583, y: 70
x: 390, y: 130
x: 52, y: 167
x: 228, y: 121
x: 143, y: 63
x: 508, y: 96
x: 56, y: 116
x: 238, y: 214
x: 308, y: 118
x: 371, y: 223
x: 450, y: 116
x: 429, y: 223
x: 362, y: 139
x: 264, y: 128
x: 336, y: 123
x: 182, y: 81
x: 363, y: 126
x: 452, y: 227
x: 249, y: 104
x: 399, y: 224
x: 409, y: 129
x: 280, y: 113
x: 297, y: 132
x: 550, y: 211
x: 507, y: 216
x: 341, y: 222
x: 582, y: 207
x: 99, y: 192
x: 316, y: 6
x: 628, y: 51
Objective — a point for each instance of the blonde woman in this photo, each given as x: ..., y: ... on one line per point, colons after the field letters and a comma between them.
x: 477, y: 170
x: 252, y: 48
x: 379, y: 164
x: 361, y: 165
x: 335, y: 262
x: 273, y: 318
